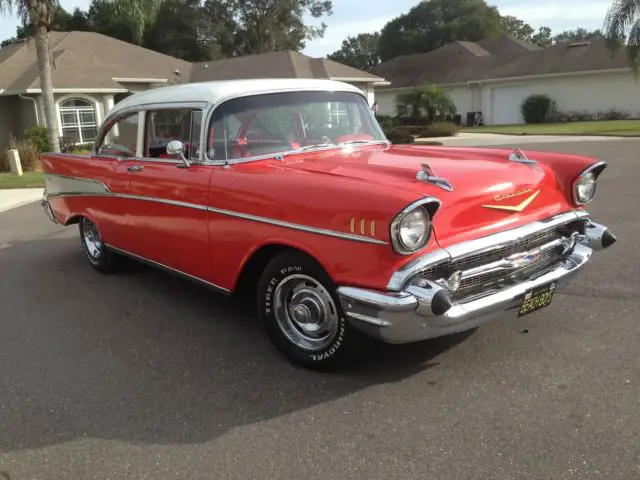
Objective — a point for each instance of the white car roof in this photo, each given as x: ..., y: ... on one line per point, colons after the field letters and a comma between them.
x: 217, y: 91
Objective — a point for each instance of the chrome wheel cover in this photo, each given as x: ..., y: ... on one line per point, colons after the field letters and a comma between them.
x: 92, y: 239
x: 305, y: 312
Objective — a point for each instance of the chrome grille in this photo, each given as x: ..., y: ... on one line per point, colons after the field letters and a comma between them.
x: 494, y: 280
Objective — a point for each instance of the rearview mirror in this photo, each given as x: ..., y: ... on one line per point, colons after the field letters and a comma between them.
x: 176, y: 147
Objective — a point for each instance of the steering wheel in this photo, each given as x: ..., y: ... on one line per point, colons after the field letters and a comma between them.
x: 322, y: 129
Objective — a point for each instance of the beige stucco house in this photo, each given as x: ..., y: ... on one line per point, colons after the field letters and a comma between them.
x: 92, y: 72
x: 495, y: 75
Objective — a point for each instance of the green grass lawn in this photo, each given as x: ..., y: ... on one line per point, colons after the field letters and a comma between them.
x: 28, y: 180
x: 623, y: 128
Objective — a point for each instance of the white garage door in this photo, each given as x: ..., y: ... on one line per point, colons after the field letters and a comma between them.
x: 505, y: 105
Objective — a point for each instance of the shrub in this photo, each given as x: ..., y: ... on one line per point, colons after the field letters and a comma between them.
x: 29, y: 155
x: 4, y: 161
x: 67, y: 144
x: 397, y: 136
x: 613, y: 114
x: 441, y: 129
x: 37, y: 136
x: 537, y: 108
x: 409, y: 129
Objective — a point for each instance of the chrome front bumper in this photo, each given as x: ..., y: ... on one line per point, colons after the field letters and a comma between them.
x: 423, y: 310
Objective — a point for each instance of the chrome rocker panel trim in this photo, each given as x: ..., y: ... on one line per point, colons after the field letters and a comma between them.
x: 424, y: 310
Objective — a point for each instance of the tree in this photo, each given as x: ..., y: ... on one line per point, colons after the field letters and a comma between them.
x: 178, y: 31
x: 434, y: 23
x: 359, y: 52
x: 542, y: 38
x: 246, y: 27
x: 578, y: 35
x: 428, y: 99
x: 39, y: 13
x: 622, y: 28
x: 516, y: 28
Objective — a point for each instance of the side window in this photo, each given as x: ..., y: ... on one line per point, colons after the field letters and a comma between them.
x: 163, y: 126
x: 122, y: 137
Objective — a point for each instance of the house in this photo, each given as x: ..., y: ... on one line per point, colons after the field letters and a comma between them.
x: 495, y: 75
x: 91, y: 72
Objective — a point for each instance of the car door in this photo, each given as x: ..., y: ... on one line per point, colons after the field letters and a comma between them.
x: 166, y: 200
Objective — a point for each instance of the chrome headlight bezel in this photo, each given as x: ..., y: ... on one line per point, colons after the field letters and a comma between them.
x: 590, y: 175
x: 425, y: 209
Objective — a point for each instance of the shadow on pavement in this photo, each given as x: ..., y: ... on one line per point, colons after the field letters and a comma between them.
x: 146, y: 357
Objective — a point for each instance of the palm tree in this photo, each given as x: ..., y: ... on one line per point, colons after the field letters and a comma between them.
x: 39, y: 13
x: 428, y: 99
x: 621, y: 23
x: 436, y: 101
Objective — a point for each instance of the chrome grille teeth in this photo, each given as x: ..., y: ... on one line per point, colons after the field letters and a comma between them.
x: 472, y: 287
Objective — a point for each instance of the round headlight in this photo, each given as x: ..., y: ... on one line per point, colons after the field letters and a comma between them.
x: 585, y: 188
x: 412, y: 230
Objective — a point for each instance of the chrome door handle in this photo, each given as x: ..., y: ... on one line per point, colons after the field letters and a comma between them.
x: 135, y: 168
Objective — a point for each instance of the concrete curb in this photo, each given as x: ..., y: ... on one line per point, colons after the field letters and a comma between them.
x: 18, y: 197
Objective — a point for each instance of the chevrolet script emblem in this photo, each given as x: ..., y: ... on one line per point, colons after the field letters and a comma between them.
x: 513, y: 208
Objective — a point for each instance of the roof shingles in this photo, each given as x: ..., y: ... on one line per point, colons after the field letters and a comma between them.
x: 506, y: 58
x: 78, y: 65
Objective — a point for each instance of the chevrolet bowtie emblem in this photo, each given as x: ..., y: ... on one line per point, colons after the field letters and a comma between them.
x: 515, y: 208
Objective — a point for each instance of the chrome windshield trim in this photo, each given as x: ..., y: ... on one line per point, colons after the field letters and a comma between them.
x: 478, y: 245
x: 281, y: 155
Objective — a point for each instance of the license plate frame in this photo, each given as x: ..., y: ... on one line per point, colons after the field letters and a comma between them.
x: 537, y: 298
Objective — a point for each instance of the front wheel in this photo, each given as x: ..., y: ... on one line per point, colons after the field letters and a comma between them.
x: 99, y: 256
x: 302, y: 314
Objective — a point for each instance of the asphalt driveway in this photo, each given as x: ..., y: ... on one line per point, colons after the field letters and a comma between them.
x: 145, y: 376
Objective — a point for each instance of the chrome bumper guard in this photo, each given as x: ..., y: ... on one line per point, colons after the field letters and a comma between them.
x: 44, y: 203
x: 423, y: 309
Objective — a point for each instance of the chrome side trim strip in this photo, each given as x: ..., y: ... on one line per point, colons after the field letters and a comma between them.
x: 295, y: 226
x: 478, y: 245
x: 86, y: 187
x: 56, y: 184
x: 170, y: 269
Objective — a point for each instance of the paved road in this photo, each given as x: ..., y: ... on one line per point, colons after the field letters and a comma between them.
x: 145, y: 376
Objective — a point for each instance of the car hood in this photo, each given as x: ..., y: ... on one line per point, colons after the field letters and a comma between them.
x: 484, y: 181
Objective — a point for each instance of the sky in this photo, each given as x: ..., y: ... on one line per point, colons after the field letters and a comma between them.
x: 351, y: 17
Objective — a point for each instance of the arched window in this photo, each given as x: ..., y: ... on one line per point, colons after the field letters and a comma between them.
x: 78, y: 120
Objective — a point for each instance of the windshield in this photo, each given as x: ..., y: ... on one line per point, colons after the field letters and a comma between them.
x: 276, y: 123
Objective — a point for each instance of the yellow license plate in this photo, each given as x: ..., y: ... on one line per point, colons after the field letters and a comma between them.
x: 537, y: 299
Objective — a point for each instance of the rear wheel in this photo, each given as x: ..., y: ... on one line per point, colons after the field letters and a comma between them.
x: 303, y: 317
x: 99, y: 256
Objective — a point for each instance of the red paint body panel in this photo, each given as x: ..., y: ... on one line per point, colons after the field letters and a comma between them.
x: 322, y: 189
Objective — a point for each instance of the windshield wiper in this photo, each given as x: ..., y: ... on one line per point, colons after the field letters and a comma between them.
x: 362, y: 142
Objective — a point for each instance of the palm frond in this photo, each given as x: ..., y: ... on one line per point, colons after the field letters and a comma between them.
x: 622, y: 30
x: 139, y: 13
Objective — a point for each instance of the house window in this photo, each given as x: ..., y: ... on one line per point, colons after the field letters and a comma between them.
x: 78, y: 120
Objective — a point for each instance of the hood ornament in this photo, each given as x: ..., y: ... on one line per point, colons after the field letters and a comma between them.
x: 428, y: 175
x: 518, y: 156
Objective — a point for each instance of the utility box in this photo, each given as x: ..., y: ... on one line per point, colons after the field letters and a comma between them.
x: 14, y: 162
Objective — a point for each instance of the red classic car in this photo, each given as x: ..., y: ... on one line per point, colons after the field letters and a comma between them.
x: 290, y: 187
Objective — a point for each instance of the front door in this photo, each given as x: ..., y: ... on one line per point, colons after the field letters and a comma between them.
x: 165, y: 201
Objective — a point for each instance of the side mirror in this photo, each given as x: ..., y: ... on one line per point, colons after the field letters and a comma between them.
x: 176, y: 147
